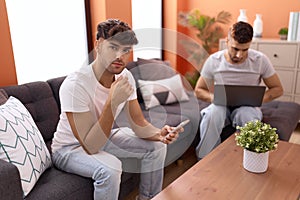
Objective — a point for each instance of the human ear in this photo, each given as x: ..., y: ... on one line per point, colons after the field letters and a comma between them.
x: 98, y: 44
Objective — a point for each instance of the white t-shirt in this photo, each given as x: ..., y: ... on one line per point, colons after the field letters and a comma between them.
x: 81, y: 92
x: 250, y: 72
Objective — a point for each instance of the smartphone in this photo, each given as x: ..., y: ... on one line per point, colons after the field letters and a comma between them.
x: 182, y: 124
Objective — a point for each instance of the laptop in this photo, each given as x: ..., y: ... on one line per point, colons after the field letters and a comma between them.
x: 238, y: 95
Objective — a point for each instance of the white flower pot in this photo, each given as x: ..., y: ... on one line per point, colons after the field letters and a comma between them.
x: 255, y: 162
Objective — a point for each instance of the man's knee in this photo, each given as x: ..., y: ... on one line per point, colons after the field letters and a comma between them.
x: 110, y: 171
x: 160, y: 149
x: 245, y: 114
x: 156, y: 151
x: 217, y: 113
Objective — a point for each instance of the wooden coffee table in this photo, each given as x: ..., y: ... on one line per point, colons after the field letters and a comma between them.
x: 221, y: 175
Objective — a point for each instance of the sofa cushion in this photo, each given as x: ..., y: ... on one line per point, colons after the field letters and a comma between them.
x: 284, y: 116
x: 55, y: 84
x: 22, y: 143
x: 38, y: 98
x: 3, y: 96
x: 57, y: 184
x: 162, y: 92
x: 149, y: 69
x: 154, y: 69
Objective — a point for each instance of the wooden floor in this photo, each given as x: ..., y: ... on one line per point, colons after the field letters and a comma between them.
x: 174, y: 170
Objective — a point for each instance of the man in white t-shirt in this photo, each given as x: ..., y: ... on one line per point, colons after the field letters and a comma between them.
x: 236, y: 65
x: 91, y: 98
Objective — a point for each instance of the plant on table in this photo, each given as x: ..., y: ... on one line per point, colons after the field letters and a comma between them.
x: 257, y: 139
x: 257, y: 136
x: 283, y: 32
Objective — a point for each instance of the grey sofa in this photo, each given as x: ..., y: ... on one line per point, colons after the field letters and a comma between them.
x: 42, y: 100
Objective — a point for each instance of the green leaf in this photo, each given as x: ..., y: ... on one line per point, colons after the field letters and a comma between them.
x: 208, y: 28
x: 257, y: 136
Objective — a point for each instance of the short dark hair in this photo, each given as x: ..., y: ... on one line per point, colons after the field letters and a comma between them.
x: 242, y: 32
x: 115, y: 29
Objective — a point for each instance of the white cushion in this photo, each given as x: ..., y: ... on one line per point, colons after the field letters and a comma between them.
x: 162, y: 92
x: 21, y: 143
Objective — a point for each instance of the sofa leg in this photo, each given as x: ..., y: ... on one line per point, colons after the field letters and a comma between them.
x: 179, y: 162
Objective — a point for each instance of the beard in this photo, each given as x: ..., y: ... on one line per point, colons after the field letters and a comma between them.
x: 116, y: 66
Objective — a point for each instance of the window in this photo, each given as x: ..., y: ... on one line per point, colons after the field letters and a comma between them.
x: 147, y: 24
x: 49, y: 37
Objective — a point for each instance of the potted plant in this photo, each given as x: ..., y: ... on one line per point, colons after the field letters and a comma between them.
x: 208, y: 30
x: 283, y: 32
x: 257, y: 139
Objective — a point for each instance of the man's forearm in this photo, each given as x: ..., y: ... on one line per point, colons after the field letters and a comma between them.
x: 146, y: 131
x: 204, y: 95
x: 99, y: 133
x: 272, y: 94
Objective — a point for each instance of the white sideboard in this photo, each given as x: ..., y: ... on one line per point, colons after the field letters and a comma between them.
x: 285, y: 56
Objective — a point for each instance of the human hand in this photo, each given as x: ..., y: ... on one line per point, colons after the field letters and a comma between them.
x: 120, y: 91
x: 170, y: 134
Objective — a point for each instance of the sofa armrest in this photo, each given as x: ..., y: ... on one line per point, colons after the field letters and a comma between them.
x: 10, y: 182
